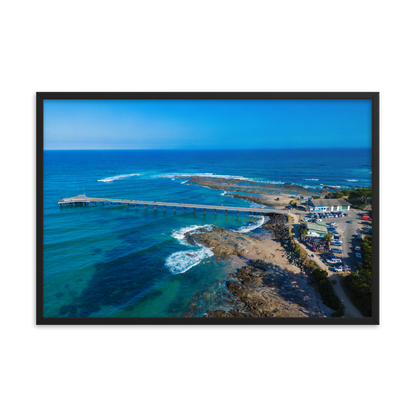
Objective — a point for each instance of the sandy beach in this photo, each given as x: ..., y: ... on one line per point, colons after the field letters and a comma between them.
x: 270, y: 281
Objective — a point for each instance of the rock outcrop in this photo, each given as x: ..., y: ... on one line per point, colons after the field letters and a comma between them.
x: 224, y: 243
x: 268, y: 292
x: 249, y: 186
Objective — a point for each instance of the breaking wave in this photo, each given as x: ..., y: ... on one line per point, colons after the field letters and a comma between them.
x: 180, y: 234
x: 311, y: 179
x: 211, y: 175
x: 252, y: 226
x: 118, y: 177
x: 352, y: 180
x: 182, y: 261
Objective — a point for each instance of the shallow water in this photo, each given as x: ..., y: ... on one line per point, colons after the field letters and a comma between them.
x: 119, y: 261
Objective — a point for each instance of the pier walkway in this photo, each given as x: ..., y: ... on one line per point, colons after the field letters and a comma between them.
x: 85, y: 201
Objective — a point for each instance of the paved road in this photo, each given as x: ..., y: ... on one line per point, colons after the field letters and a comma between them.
x: 347, y: 233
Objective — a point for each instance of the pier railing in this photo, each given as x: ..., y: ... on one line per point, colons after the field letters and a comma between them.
x: 87, y: 201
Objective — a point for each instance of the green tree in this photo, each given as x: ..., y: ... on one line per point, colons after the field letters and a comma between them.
x: 328, y: 237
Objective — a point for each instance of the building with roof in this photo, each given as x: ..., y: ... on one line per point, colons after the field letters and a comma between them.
x: 316, y: 230
x: 326, y: 205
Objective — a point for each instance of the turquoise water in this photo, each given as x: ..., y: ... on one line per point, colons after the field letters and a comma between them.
x: 119, y: 261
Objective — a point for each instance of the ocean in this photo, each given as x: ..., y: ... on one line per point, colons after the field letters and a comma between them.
x: 118, y: 261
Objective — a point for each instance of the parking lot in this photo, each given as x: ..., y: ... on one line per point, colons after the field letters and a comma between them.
x: 348, y: 229
x: 348, y: 232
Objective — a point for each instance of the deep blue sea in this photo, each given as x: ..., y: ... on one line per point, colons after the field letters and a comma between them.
x: 119, y: 261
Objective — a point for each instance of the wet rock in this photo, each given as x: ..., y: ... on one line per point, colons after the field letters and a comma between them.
x: 249, y: 186
x: 223, y: 243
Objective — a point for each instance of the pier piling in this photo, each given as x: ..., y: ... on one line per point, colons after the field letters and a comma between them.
x: 83, y: 200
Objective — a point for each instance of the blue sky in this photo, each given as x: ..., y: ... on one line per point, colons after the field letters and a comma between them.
x: 206, y: 124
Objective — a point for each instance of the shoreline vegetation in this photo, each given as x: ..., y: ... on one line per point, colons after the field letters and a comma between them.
x: 276, y: 277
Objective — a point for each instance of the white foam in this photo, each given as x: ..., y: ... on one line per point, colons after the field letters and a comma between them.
x: 224, y: 193
x: 211, y: 175
x: 311, y: 179
x: 182, y: 261
x: 256, y: 205
x: 180, y: 234
x: 252, y: 226
x: 352, y: 180
x: 118, y: 177
x: 184, y: 182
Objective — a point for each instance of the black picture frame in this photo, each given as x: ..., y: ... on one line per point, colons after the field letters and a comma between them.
x: 374, y: 96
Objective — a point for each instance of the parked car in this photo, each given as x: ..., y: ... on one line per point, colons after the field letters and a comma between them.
x: 339, y: 268
x: 360, y: 236
x: 337, y: 250
x: 349, y: 221
x: 357, y: 248
x: 358, y: 255
x: 336, y: 243
x: 359, y: 264
x: 332, y: 223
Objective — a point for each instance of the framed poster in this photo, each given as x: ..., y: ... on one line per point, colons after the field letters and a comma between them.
x: 208, y: 208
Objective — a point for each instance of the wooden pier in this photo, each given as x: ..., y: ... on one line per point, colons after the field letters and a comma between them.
x: 83, y: 200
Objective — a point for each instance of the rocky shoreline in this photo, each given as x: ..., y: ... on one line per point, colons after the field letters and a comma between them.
x: 224, y: 243
x: 279, y: 285
x: 250, y: 186
x: 262, y: 288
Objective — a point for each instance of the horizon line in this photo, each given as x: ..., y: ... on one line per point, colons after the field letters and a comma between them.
x: 248, y: 148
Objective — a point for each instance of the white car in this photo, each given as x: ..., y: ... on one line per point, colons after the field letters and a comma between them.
x: 338, y: 268
x: 357, y: 248
x: 332, y: 223
x: 358, y: 255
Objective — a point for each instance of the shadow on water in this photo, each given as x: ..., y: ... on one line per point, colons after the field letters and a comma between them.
x: 123, y: 277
